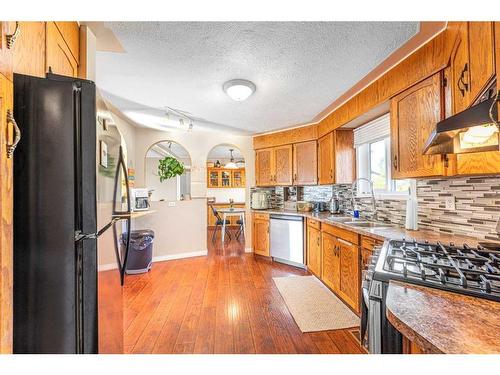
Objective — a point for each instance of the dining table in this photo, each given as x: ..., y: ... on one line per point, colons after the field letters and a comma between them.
x: 227, y: 212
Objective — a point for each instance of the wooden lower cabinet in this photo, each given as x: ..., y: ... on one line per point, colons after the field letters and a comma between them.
x: 314, y: 255
x: 261, y: 234
x: 349, y: 273
x: 367, y: 245
x: 330, y: 272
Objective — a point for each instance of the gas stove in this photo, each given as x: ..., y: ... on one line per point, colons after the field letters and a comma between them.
x: 461, y: 269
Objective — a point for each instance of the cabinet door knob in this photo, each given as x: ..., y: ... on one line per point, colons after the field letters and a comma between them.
x: 11, y: 38
x: 395, y: 162
x: 17, y: 134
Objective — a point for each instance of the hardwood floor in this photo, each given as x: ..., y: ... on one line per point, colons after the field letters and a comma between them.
x: 225, y: 302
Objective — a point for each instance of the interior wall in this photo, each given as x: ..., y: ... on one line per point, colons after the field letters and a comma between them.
x: 224, y: 195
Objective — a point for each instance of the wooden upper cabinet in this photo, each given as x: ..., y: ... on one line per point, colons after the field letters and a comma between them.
x: 481, y: 57
x: 349, y: 273
x: 264, y: 167
x: 314, y: 250
x: 59, y: 56
x: 326, y: 164
x: 6, y: 29
x: 460, y: 70
x: 261, y: 236
x: 29, y: 50
x: 305, y: 163
x: 282, y: 171
x: 414, y: 114
x: 345, y: 157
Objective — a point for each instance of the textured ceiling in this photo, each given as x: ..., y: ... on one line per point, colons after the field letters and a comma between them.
x: 299, y: 68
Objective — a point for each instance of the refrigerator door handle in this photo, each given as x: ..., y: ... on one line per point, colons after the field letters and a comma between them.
x: 79, y: 235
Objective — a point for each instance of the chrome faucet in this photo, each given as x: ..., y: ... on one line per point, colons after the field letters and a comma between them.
x: 374, y: 205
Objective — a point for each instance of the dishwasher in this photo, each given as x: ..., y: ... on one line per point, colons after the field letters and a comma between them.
x: 287, y: 239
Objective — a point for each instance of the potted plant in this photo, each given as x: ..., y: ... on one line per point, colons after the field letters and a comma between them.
x: 169, y: 167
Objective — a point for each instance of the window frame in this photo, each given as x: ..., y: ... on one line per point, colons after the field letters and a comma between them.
x: 389, y: 192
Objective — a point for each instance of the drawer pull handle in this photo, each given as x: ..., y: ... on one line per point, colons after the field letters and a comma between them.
x: 17, y: 134
x: 11, y: 38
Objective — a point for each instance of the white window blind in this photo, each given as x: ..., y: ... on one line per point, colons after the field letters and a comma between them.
x: 372, y: 131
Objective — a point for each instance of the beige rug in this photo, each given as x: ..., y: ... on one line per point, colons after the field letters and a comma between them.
x: 313, y: 306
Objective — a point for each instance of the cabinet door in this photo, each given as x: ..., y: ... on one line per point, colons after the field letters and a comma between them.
x: 264, y: 167
x: 238, y: 178
x: 344, y: 157
x: 414, y: 114
x: 283, y: 165
x: 6, y: 28
x: 29, y: 50
x: 6, y: 210
x: 261, y: 237
x: 326, y: 165
x: 58, y: 55
x: 305, y: 163
x: 213, y: 178
x: 225, y: 179
x: 330, y: 272
x: 481, y: 57
x: 460, y: 70
x: 349, y: 273
x: 314, y: 250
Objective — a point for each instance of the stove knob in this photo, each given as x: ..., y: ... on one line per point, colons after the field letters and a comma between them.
x: 369, y: 275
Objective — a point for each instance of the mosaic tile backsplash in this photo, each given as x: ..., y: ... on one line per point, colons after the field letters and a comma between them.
x: 477, y: 204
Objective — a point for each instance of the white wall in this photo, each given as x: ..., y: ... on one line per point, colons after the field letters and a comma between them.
x: 182, y: 229
x: 166, y: 190
x: 224, y: 195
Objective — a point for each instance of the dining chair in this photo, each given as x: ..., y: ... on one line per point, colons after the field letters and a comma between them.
x: 219, y: 223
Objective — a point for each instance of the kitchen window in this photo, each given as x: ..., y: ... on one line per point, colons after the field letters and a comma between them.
x: 373, y: 156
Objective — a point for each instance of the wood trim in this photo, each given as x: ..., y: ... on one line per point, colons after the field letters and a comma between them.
x: 296, y: 135
x: 6, y: 217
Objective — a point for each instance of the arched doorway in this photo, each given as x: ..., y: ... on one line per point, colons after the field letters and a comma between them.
x: 225, y: 190
x: 173, y: 182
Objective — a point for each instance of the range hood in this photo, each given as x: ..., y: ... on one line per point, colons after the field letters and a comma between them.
x: 471, y: 130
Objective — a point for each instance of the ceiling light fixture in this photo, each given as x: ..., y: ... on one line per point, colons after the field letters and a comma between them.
x: 239, y: 89
x: 231, y: 164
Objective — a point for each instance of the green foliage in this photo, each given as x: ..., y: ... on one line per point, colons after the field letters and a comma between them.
x: 169, y: 167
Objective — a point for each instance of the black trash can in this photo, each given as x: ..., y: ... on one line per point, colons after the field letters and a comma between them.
x: 140, y: 255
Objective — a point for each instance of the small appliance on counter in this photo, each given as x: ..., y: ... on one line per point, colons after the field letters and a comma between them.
x: 303, y: 206
x: 290, y: 205
x: 260, y: 200
x: 334, y: 204
x: 319, y: 206
x: 139, y: 199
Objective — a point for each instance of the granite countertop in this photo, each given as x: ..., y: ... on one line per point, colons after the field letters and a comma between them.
x: 218, y: 203
x: 394, y: 232
x: 444, y: 322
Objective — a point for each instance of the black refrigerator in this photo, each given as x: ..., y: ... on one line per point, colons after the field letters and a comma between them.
x: 55, y: 219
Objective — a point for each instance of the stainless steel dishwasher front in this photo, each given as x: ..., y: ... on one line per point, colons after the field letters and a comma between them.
x: 287, y: 239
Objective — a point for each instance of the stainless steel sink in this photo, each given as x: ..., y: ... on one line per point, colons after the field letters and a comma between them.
x: 367, y: 224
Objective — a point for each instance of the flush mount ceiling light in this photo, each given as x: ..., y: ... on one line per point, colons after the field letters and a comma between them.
x: 239, y: 89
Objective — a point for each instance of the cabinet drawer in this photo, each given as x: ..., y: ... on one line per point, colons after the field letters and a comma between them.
x: 341, y: 233
x: 314, y: 223
x: 261, y: 216
x: 369, y: 243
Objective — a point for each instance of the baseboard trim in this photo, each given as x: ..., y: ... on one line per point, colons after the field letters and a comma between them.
x: 160, y: 258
